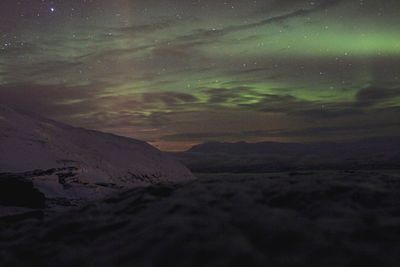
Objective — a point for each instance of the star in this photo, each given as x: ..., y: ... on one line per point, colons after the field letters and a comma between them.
x: 259, y: 60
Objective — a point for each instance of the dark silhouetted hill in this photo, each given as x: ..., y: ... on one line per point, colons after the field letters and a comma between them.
x: 371, y: 153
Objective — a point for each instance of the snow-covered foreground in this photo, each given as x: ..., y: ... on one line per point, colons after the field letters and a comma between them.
x: 74, y: 163
x: 324, y: 218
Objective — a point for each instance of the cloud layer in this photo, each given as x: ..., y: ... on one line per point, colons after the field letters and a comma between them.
x: 180, y: 72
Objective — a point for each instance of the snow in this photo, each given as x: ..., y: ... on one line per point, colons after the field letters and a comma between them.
x: 314, y: 218
x: 90, y: 163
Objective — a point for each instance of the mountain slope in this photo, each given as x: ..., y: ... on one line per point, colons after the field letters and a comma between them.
x: 378, y: 152
x: 64, y: 161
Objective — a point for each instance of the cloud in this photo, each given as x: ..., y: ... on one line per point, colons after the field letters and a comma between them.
x: 154, y: 26
x: 51, y: 100
x: 287, y: 104
x: 313, y: 132
x: 205, y: 36
x: 146, y: 28
x: 316, y: 4
x: 367, y: 100
x: 227, y: 95
x: 374, y: 95
x: 168, y: 98
x: 229, y: 68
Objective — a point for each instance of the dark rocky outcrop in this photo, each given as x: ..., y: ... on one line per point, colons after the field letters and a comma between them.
x: 20, y: 192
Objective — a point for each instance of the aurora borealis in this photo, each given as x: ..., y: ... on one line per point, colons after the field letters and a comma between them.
x: 181, y: 72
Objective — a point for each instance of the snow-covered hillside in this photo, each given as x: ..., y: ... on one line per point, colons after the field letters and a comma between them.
x: 63, y: 161
x: 313, y: 219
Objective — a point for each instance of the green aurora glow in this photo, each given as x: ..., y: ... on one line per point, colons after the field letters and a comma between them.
x: 185, y: 72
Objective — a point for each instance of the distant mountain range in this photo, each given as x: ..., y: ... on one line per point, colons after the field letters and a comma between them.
x: 73, y: 163
x: 378, y: 152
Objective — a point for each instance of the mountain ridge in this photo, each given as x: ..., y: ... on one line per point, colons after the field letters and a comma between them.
x: 368, y: 140
x: 369, y: 153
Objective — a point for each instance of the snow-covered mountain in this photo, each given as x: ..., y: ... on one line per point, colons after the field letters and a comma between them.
x: 63, y: 161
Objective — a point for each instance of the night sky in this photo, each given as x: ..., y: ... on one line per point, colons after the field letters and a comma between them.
x: 180, y: 72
